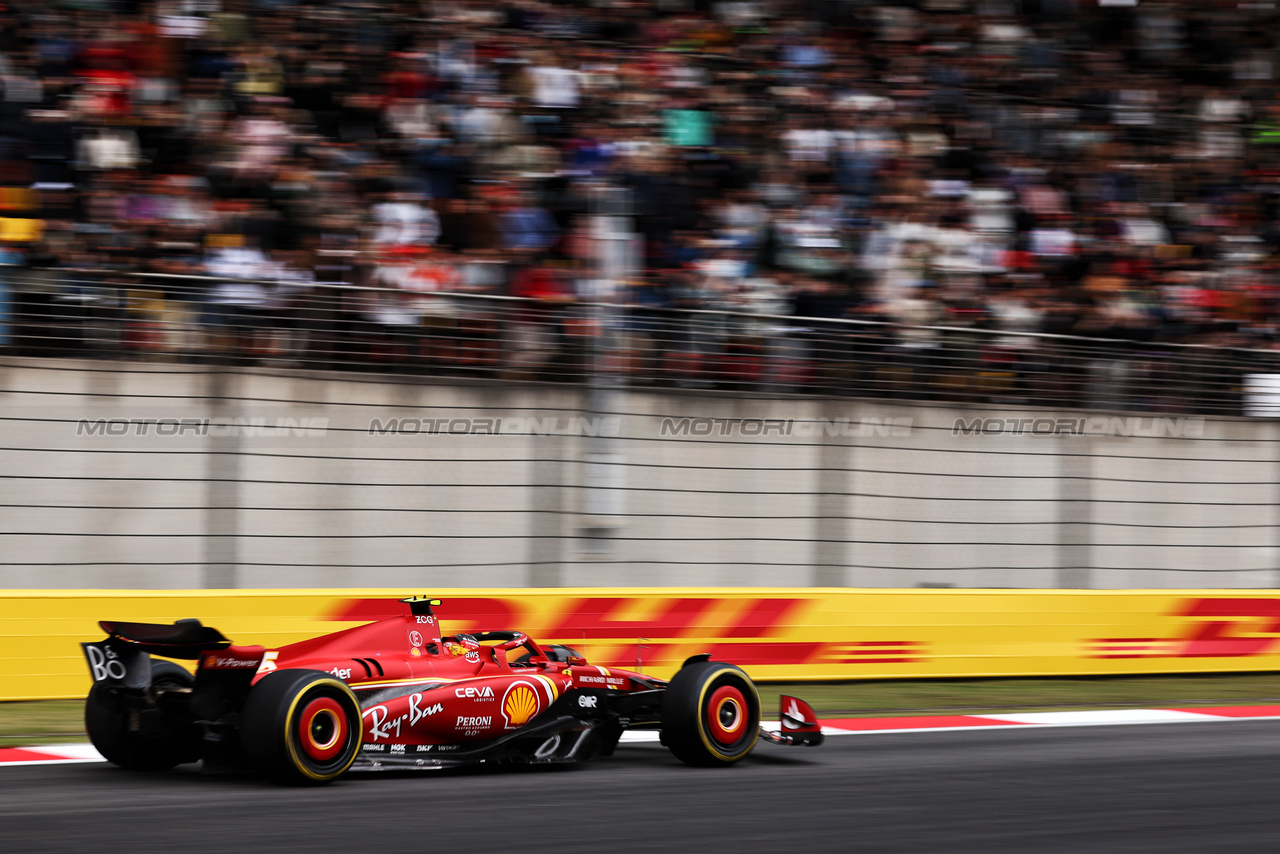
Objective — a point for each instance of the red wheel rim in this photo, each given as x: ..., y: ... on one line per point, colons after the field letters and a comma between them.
x: 727, y: 715
x: 322, y: 728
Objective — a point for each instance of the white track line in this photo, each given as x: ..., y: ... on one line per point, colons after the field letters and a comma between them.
x: 1104, y: 717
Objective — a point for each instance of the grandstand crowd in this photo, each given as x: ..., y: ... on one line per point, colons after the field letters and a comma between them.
x: 1099, y: 168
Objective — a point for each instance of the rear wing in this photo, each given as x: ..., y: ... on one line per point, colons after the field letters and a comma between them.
x: 182, y: 639
x: 123, y: 659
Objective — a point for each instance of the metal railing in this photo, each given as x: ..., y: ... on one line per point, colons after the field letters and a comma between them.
x: 203, y: 320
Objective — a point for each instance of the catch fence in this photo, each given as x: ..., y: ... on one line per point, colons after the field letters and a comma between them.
x: 460, y: 335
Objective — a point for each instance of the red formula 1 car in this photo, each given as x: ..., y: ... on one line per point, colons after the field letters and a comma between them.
x: 398, y: 694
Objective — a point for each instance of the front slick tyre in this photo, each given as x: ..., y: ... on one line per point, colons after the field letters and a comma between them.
x: 301, y: 727
x: 710, y: 714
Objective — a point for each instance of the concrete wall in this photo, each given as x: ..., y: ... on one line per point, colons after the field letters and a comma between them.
x: 679, y: 488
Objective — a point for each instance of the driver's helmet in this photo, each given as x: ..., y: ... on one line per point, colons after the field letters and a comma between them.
x: 460, y: 645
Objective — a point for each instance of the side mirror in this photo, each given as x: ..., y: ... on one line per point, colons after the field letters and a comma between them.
x: 576, y: 660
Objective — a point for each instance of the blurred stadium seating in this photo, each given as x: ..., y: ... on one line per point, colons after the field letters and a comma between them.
x: 999, y: 168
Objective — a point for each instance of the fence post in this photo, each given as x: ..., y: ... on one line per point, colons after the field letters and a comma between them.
x: 222, y: 488
x: 1275, y: 550
x: 6, y: 310
x: 546, y: 511
x: 832, y: 526
x: 1075, y: 511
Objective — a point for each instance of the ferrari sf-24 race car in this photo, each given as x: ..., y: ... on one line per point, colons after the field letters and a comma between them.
x: 397, y: 694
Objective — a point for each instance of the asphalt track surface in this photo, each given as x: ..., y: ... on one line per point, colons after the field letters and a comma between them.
x: 1199, y: 787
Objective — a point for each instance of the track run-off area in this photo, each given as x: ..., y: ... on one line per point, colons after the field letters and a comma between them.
x: 1037, y: 783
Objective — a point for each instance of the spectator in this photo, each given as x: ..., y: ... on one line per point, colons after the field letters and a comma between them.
x: 403, y: 220
x: 1125, y: 158
x: 526, y: 227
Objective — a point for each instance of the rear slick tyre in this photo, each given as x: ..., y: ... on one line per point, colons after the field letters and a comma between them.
x: 108, y: 719
x: 301, y: 727
x: 711, y: 714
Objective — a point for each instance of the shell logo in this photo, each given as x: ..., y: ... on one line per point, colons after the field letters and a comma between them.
x: 520, y: 704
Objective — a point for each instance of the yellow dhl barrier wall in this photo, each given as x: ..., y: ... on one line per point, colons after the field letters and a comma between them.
x: 775, y: 634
